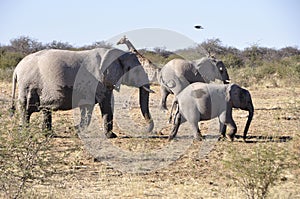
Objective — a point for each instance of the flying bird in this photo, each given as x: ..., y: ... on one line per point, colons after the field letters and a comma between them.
x: 198, y: 27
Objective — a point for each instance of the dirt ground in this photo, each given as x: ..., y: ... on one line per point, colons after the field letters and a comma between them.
x: 140, y: 165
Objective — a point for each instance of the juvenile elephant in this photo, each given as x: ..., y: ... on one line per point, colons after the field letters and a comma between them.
x: 200, y: 102
x: 178, y: 74
x: 61, y: 80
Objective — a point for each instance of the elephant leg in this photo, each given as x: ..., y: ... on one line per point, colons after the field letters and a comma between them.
x: 107, y: 115
x: 233, y: 130
x: 223, y: 126
x: 177, y: 122
x: 196, y: 131
x: 24, y: 112
x: 85, y: 115
x: 193, y: 117
x: 25, y: 118
x: 47, y: 119
x: 164, y: 94
x: 29, y: 104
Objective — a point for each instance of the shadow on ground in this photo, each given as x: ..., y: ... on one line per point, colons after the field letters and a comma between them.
x: 262, y: 138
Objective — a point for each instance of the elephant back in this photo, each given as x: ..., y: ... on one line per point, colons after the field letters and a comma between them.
x: 208, y: 70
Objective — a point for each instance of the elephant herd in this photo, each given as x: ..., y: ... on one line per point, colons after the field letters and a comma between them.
x: 51, y: 80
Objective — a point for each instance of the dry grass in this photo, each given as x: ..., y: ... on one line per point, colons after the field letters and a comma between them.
x: 192, y: 175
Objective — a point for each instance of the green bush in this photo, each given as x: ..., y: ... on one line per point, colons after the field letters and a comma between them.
x: 286, y: 70
x: 256, y: 172
x: 6, y: 74
x: 297, y: 68
x: 232, y: 61
x: 153, y: 57
x: 10, y: 59
x: 24, y: 156
x: 243, y: 76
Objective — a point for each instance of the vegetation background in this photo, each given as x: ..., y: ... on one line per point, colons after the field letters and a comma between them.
x: 254, y: 64
x: 36, y: 165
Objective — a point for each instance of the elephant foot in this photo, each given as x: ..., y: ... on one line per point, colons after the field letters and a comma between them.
x: 222, y: 138
x: 198, y: 138
x: 163, y: 107
x: 171, y: 137
x: 230, y: 137
x: 110, y: 135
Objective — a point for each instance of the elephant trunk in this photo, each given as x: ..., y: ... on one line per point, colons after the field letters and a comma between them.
x: 144, y: 105
x: 250, y: 116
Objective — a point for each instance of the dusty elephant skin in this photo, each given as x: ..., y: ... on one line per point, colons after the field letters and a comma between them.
x: 178, y: 74
x: 61, y: 80
x: 200, y: 102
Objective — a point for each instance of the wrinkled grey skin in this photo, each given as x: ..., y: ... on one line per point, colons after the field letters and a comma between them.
x: 178, y: 74
x: 200, y: 102
x: 61, y: 80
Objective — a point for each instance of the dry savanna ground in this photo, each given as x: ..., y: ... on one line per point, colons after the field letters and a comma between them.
x: 137, y: 165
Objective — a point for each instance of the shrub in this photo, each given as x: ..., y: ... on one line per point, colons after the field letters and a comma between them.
x: 6, y: 74
x: 243, y: 76
x: 287, y: 70
x: 9, y: 59
x: 231, y: 61
x: 154, y: 57
x: 23, y: 156
x: 256, y: 172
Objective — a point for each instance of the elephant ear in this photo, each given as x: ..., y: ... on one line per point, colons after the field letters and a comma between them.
x: 92, y: 63
x: 245, y: 99
x: 242, y: 96
x: 208, y: 70
x: 234, y: 93
x: 111, y: 56
x: 111, y: 69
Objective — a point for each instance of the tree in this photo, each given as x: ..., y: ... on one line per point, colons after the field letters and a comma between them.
x: 26, y: 45
x: 59, y: 45
x: 97, y: 44
x: 162, y: 51
x: 213, y: 47
x: 289, y: 51
x: 253, y: 55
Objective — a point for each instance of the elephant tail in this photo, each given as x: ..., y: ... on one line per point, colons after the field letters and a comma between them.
x: 14, y: 82
x: 159, y: 78
x: 175, y: 104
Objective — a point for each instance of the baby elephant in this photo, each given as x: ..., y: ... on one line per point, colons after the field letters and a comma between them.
x: 200, y: 102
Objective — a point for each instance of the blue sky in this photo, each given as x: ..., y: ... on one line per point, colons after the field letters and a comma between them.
x: 239, y: 23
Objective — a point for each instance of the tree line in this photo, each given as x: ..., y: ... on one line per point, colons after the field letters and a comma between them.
x: 11, y: 54
x: 251, y: 56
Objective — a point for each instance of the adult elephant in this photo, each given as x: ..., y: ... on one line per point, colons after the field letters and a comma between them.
x: 61, y: 80
x: 179, y: 73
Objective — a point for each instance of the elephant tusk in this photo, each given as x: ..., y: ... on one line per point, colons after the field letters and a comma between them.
x: 148, y: 89
x: 227, y: 81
